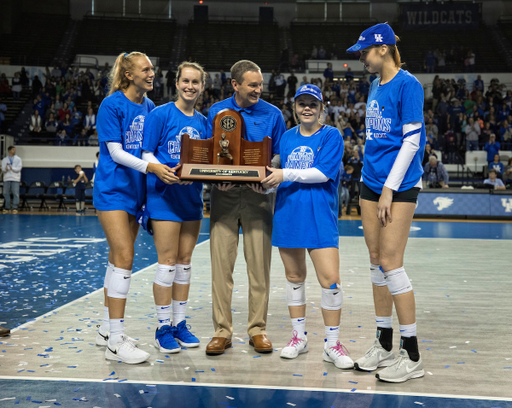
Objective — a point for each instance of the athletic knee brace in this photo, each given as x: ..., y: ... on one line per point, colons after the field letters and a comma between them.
x: 377, y: 276
x: 119, y: 283
x: 398, y: 282
x: 165, y: 275
x: 332, y: 298
x: 183, y: 274
x: 108, y: 275
x: 296, y: 293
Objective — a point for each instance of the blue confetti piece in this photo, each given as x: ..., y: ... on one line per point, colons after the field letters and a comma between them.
x: 474, y: 351
x: 29, y: 398
x: 56, y: 403
x: 353, y: 389
x: 213, y: 369
x: 353, y: 341
x: 193, y: 380
x: 199, y: 371
x: 430, y: 348
x: 30, y: 371
x: 507, y: 368
x: 112, y: 373
x: 297, y: 375
x: 446, y: 366
x: 76, y: 389
x: 37, y: 402
x: 126, y: 379
x: 353, y: 382
x: 462, y: 362
x: 325, y: 374
x: 256, y: 356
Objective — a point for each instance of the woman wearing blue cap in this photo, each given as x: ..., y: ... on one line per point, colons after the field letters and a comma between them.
x: 390, y: 183
x: 306, y: 217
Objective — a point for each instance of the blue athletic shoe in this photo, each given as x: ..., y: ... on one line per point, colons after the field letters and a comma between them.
x: 164, y: 340
x: 183, y: 335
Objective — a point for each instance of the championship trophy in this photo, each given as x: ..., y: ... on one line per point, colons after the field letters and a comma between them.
x: 226, y: 156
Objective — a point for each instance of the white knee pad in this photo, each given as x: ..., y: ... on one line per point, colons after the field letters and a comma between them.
x: 296, y: 293
x: 377, y: 275
x: 332, y: 298
x: 183, y: 274
x: 108, y: 275
x: 165, y: 275
x: 398, y: 282
x: 119, y: 283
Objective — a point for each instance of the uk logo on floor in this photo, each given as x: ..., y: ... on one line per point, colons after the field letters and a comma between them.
x: 507, y: 204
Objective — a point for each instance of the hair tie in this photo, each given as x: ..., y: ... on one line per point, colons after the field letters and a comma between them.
x: 126, y: 54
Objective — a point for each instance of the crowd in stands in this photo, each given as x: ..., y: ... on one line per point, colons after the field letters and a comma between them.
x: 451, y: 60
x: 65, y: 104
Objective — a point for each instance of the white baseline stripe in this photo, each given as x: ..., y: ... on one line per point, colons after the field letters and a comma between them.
x: 46, y: 315
x: 260, y: 387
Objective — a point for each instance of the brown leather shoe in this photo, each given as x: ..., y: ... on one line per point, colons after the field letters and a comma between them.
x: 261, y: 343
x: 4, y: 332
x: 217, y: 345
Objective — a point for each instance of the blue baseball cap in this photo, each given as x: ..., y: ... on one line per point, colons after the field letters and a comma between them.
x: 309, y: 89
x: 379, y: 34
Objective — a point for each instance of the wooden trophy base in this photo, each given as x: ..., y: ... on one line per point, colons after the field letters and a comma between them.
x: 221, y: 173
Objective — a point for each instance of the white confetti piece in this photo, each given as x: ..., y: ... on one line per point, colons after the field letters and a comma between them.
x: 231, y: 398
x: 6, y: 399
x: 117, y: 395
x: 419, y: 403
x: 453, y: 347
x: 186, y: 368
x: 429, y: 373
x: 291, y: 404
x: 468, y: 342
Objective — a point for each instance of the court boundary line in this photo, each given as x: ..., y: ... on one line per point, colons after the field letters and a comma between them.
x: 48, y: 314
x: 272, y: 387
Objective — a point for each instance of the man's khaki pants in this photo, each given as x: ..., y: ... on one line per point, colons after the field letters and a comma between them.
x: 230, y: 210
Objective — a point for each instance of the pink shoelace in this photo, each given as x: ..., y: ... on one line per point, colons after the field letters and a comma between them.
x: 340, y: 348
x: 295, y: 340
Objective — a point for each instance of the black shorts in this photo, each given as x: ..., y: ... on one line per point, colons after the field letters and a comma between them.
x: 80, y: 192
x: 407, y: 196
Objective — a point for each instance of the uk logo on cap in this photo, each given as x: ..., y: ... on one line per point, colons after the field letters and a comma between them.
x: 378, y: 34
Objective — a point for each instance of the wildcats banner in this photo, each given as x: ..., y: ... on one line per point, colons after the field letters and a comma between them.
x: 432, y: 16
x: 475, y: 204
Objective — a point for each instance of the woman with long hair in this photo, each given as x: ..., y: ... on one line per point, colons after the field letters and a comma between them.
x: 120, y: 189
x: 175, y: 210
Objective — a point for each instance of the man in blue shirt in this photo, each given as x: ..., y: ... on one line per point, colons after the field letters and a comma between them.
x: 248, y: 207
x: 328, y: 72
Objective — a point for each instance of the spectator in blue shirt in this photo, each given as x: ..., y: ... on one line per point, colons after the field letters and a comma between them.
x: 349, y: 75
x: 328, y: 72
x: 497, y: 165
x: 504, y: 112
x: 506, y: 135
x: 493, y: 180
x: 364, y: 87
x: 492, y: 147
x: 478, y: 84
x: 345, y: 181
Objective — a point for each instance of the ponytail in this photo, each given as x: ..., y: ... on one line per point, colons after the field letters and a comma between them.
x: 395, y: 54
x: 125, y: 62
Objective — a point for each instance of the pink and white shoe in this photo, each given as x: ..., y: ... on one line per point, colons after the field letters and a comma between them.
x: 338, y: 355
x: 297, y: 345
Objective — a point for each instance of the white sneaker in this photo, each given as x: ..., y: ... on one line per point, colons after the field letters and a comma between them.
x: 338, y: 354
x: 126, y: 352
x: 295, y: 346
x: 402, y: 369
x: 102, y: 338
x: 376, y: 356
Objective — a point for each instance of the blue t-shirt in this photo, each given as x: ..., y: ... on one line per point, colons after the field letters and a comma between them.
x: 162, y: 136
x: 117, y: 187
x: 389, y: 107
x: 306, y: 215
x: 261, y: 119
x: 497, y: 166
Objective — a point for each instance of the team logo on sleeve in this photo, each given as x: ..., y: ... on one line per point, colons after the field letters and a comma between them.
x: 302, y: 157
x: 376, y: 126
x: 174, y: 146
x: 133, y: 136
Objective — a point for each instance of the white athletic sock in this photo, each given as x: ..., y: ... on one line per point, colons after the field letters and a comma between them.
x: 105, y: 323
x: 77, y: 206
x: 163, y: 314
x: 385, y: 322
x: 332, y: 334
x: 82, y: 205
x: 299, y: 325
x: 116, y: 331
x: 179, y: 309
x: 374, y: 267
x: 408, y: 330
